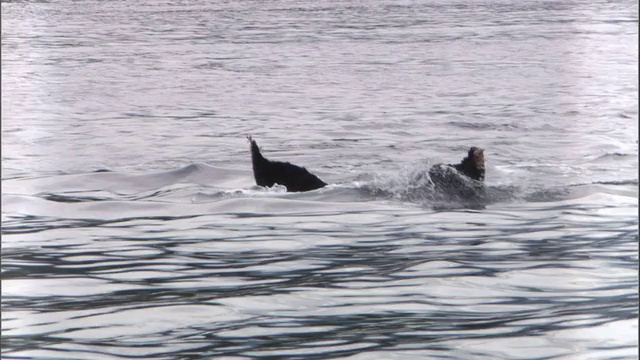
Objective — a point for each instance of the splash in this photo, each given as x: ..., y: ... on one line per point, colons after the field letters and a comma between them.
x: 439, y: 186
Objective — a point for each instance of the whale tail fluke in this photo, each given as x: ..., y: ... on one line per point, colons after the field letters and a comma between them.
x: 268, y: 173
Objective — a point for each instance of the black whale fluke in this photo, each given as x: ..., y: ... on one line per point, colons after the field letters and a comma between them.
x: 268, y: 173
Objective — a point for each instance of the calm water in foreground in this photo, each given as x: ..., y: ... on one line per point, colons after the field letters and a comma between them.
x: 131, y: 227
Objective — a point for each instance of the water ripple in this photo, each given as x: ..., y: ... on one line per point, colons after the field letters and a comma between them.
x: 174, y: 252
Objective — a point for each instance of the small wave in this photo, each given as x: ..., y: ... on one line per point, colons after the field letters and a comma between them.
x: 579, y: 191
x: 482, y: 126
x: 617, y: 182
x: 612, y: 156
x: 449, y: 190
x: 64, y: 198
x: 219, y: 194
x: 202, y: 184
x: 469, y: 125
x: 547, y: 195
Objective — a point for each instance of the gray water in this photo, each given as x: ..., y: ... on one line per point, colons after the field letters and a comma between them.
x: 132, y: 228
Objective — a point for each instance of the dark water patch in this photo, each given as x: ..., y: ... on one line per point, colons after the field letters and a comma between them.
x: 614, y: 156
x: 328, y: 301
x: 29, y: 224
x: 70, y: 198
x: 617, y: 182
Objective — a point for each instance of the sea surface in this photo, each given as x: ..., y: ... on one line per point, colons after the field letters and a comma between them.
x: 132, y: 227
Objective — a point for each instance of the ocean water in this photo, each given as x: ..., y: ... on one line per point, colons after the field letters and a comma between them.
x: 132, y: 227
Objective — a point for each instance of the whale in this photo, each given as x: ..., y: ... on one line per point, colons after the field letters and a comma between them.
x: 448, y: 178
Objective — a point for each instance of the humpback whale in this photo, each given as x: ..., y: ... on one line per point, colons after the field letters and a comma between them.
x: 444, y: 177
